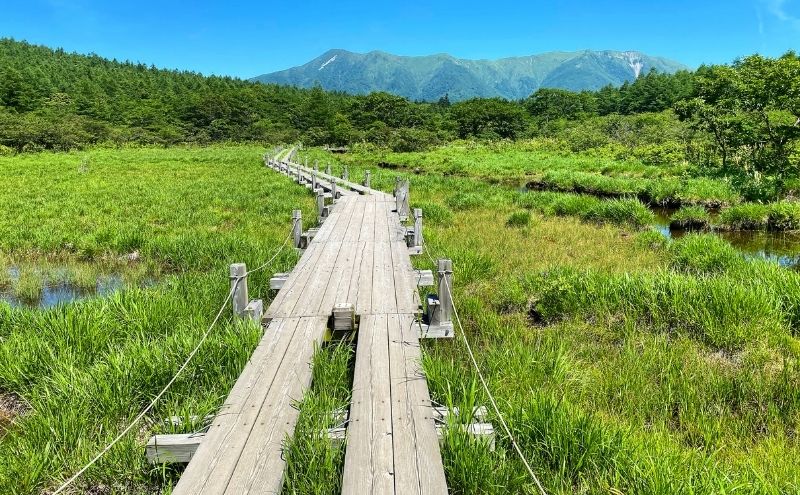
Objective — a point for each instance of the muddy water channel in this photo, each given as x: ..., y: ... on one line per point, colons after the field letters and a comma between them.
x: 781, y: 247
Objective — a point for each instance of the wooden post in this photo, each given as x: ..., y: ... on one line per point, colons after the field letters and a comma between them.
x: 320, y: 204
x: 404, y: 206
x: 240, y: 297
x: 396, y: 186
x: 401, y: 199
x: 297, y: 226
x: 417, y: 227
x: 366, y: 178
x: 328, y: 168
x: 314, y: 180
x: 345, y: 173
x: 316, y: 166
x: 334, y: 192
x: 445, y: 272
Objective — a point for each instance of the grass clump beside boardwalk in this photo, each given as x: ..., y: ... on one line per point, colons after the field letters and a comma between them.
x: 313, y: 462
x: 86, y: 369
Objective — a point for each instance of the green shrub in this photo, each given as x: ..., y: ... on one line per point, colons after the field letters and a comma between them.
x: 745, y: 216
x: 466, y: 201
x: 519, y: 219
x: 690, y: 217
x: 725, y: 312
x: 435, y: 214
x: 703, y: 253
x: 784, y: 215
x: 652, y: 239
x: 622, y: 212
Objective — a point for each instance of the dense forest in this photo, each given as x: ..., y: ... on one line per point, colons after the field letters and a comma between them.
x: 741, y: 119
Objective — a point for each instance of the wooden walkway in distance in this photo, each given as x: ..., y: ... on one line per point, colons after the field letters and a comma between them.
x: 358, y: 256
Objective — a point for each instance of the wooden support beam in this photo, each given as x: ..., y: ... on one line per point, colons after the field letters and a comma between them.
x: 477, y: 428
x: 254, y: 311
x: 424, y: 278
x: 172, y: 448
x: 277, y: 281
x: 307, y: 237
x: 344, y: 317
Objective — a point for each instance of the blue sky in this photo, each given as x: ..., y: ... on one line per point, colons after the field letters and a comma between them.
x: 249, y: 38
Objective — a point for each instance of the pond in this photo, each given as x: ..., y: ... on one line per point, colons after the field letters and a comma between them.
x: 781, y: 247
x: 36, y: 290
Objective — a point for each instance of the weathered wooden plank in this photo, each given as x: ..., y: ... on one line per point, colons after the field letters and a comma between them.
x: 403, y: 431
x: 429, y: 464
x: 363, y: 288
x: 369, y: 457
x: 357, y: 476
x: 405, y: 280
x: 260, y: 467
x: 217, y: 456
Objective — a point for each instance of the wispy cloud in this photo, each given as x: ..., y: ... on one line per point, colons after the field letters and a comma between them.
x: 778, y: 9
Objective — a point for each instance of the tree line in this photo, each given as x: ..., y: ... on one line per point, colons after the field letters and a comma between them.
x: 743, y: 117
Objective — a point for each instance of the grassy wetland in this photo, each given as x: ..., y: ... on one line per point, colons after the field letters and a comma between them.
x: 166, y: 223
x: 624, y: 361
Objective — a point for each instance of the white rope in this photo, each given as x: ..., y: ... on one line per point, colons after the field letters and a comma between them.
x: 174, y: 378
x: 486, y: 386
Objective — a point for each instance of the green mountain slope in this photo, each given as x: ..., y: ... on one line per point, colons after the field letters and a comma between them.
x: 431, y: 77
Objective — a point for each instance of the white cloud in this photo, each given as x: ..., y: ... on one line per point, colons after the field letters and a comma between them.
x: 778, y: 9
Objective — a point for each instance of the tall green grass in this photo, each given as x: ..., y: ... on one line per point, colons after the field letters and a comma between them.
x: 88, y: 368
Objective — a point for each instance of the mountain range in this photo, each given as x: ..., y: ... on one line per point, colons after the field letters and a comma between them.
x: 430, y: 77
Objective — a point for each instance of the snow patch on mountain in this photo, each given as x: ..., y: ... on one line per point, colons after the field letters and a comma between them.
x: 634, y: 62
x: 326, y: 63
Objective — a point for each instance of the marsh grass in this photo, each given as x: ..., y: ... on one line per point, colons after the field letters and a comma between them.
x: 690, y: 218
x: 313, y: 463
x: 87, y: 368
x: 519, y: 219
x: 648, y: 365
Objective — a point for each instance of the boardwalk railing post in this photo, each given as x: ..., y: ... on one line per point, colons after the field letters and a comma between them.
x: 334, y: 192
x: 240, y: 297
x: 445, y: 272
x: 398, y: 200
x: 417, y: 227
x: 366, y: 178
x: 345, y: 173
x: 314, y: 180
x: 401, y: 199
x: 396, y: 186
x: 316, y: 166
x: 328, y: 168
x: 320, y: 204
x: 297, y: 227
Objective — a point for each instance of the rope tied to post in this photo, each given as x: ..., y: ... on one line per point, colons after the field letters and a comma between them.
x: 174, y: 378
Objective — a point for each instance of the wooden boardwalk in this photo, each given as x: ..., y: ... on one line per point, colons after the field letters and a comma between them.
x: 358, y: 256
